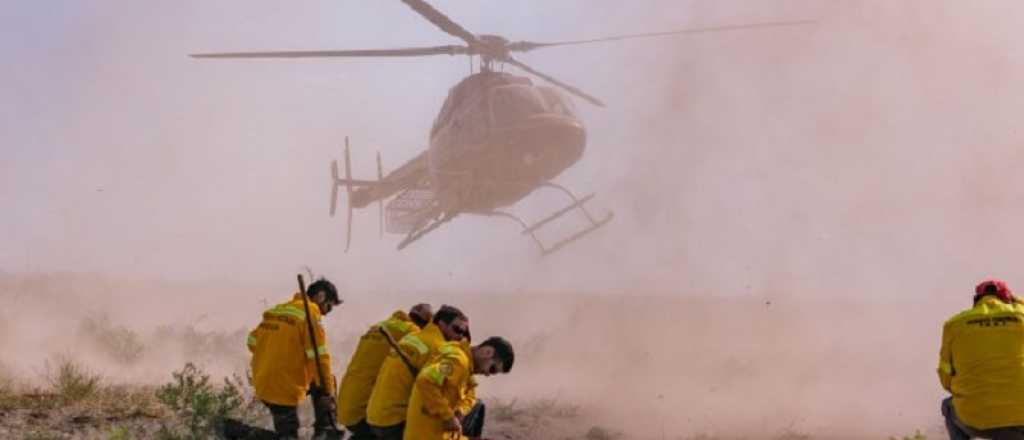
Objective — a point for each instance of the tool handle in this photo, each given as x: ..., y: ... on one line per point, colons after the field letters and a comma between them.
x: 312, y: 338
x: 312, y: 335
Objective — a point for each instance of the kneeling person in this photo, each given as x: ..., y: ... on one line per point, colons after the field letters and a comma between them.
x: 365, y: 365
x: 284, y: 360
x: 439, y: 398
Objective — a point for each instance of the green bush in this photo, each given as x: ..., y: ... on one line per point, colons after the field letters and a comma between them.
x: 200, y: 406
x: 119, y: 433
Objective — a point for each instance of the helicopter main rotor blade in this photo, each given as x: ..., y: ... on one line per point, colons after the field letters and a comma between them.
x: 556, y: 82
x: 442, y: 21
x: 400, y: 52
x: 523, y: 46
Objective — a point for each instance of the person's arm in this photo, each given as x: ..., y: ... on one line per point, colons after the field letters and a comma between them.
x: 945, y: 370
x: 468, y: 398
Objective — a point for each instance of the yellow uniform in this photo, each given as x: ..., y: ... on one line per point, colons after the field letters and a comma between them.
x: 373, y: 348
x: 390, y: 396
x: 283, y: 356
x: 982, y: 364
x: 442, y: 388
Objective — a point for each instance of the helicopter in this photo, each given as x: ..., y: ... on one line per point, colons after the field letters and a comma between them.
x: 497, y: 138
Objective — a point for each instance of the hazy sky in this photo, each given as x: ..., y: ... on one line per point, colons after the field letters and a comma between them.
x: 874, y: 151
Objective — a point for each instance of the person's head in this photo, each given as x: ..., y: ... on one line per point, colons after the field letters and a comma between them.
x: 493, y: 356
x: 993, y: 287
x: 324, y: 295
x: 421, y: 314
x: 453, y: 323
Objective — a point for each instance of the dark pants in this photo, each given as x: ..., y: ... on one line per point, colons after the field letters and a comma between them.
x: 473, y: 423
x: 236, y: 430
x: 393, y: 432
x: 286, y: 418
x: 958, y: 430
x: 361, y: 431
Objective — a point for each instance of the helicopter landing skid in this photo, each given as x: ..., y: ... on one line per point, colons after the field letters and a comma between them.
x: 577, y: 203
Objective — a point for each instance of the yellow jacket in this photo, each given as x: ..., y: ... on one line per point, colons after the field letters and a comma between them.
x: 390, y: 396
x: 982, y: 364
x: 283, y: 362
x: 442, y: 388
x: 357, y: 383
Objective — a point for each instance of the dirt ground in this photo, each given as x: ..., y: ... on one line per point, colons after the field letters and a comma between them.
x: 627, y: 366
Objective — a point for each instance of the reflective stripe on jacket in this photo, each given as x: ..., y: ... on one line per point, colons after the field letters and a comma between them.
x: 363, y: 368
x: 283, y: 356
x: 982, y: 364
x: 390, y: 396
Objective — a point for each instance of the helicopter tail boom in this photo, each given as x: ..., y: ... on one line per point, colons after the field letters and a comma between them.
x: 361, y: 193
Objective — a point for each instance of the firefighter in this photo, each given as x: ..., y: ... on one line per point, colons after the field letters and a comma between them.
x: 981, y: 364
x: 385, y: 412
x: 357, y: 383
x: 284, y: 360
x: 441, y: 395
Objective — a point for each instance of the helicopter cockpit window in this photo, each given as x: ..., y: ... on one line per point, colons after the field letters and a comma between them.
x: 556, y: 103
x: 514, y: 103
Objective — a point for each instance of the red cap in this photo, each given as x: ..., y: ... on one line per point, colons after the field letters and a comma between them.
x: 993, y: 287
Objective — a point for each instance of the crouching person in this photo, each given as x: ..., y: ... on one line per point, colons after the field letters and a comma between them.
x: 982, y: 366
x: 443, y: 403
x: 285, y: 361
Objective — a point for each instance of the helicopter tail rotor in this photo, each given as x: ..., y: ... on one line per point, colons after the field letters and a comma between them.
x: 338, y: 182
x: 334, y: 186
x: 350, y: 185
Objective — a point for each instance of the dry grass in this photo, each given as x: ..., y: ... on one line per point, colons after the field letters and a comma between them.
x: 534, y: 418
x: 916, y: 436
x: 510, y: 410
x: 6, y: 385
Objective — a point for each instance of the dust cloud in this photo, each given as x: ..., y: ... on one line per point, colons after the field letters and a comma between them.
x: 797, y: 210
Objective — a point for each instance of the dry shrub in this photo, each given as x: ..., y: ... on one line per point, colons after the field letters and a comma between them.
x: 117, y: 342
x: 71, y: 381
x: 512, y: 410
x: 7, y: 391
x: 599, y: 433
x: 206, y: 347
x: 6, y: 382
x: 916, y: 436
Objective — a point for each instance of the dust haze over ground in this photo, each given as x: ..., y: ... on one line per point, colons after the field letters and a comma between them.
x: 797, y: 210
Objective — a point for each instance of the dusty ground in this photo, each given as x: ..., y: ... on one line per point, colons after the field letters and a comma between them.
x: 628, y: 366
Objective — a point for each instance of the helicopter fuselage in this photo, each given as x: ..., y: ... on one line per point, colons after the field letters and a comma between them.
x: 497, y: 138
